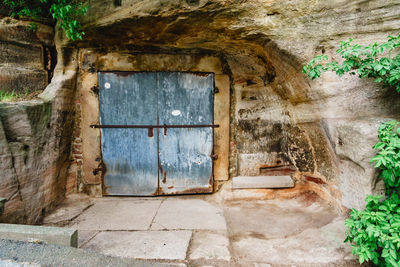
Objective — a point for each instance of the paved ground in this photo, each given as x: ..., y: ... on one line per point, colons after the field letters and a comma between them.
x: 201, y: 231
x: 28, y: 254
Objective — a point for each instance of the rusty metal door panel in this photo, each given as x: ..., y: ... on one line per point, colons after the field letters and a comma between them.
x: 185, y: 154
x: 129, y: 155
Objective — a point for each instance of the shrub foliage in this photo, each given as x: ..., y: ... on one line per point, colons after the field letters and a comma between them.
x: 375, y: 231
x: 371, y: 61
x: 66, y: 12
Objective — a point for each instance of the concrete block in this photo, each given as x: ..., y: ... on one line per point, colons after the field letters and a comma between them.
x: 46, y: 234
x: 241, y: 182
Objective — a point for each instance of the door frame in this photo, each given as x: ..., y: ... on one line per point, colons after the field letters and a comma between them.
x: 88, y: 106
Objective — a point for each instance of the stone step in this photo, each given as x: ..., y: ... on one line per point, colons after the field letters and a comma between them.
x: 248, y: 182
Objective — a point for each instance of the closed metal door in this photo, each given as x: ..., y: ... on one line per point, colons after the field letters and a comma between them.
x: 185, y: 153
x: 155, y: 134
x: 129, y: 154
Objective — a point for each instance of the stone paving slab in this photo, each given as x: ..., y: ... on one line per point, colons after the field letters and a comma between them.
x: 159, y: 245
x: 180, y: 213
x: 304, y: 231
x: 71, y: 208
x: 84, y: 236
x: 209, y: 246
x: 118, y: 214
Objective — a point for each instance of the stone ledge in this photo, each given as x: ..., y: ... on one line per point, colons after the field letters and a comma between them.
x: 46, y: 234
x: 21, y: 79
x: 242, y: 182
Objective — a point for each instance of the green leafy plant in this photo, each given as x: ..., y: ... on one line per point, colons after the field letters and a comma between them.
x: 388, y: 157
x: 66, y: 12
x: 371, y: 61
x: 374, y: 232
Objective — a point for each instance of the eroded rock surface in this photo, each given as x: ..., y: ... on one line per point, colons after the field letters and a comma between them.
x: 34, y: 156
x: 321, y: 131
x: 279, y: 118
x: 35, y: 135
x: 27, y: 57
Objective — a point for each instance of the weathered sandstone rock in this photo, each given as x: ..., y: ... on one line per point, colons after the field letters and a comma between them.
x: 35, y: 135
x: 27, y: 57
x: 322, y: 131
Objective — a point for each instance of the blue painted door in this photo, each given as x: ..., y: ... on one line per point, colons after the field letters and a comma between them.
x: 185, y: 153
x: 172, y: 160
x: 129, y: 155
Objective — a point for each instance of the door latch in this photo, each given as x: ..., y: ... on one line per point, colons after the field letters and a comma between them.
x: 150, y: 132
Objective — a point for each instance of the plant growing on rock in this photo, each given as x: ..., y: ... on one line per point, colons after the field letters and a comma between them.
x: 66, y: 12
x: 371, y: 61
x: 375, y: 231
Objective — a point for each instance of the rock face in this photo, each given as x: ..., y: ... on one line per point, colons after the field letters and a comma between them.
x: 34, y: 135
x: 27, y: 57
x: 34, y: 159
x: 320, y: 131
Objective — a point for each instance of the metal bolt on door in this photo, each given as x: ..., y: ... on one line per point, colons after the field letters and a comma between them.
x: 157, y: 132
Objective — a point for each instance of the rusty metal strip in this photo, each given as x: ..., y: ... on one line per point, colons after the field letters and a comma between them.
x: 155, y: 126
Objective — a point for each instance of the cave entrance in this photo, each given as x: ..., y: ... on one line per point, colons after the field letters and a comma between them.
x: 156, y: 132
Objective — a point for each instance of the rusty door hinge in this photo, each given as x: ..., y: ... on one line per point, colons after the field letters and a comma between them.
x: 100, y: 168
x: 95, y: 89
x: 97, y: 170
